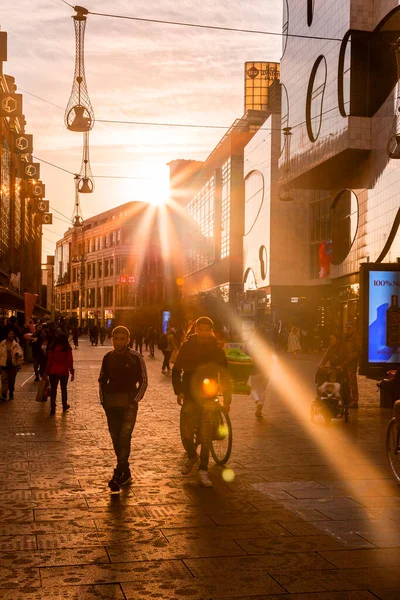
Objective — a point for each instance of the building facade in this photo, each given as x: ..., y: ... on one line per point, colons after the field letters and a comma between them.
x: 110, y: 270
x: 340, y: 101
x: 20, y: 221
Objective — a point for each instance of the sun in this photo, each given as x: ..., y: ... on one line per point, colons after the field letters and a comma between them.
x: 157, y: 189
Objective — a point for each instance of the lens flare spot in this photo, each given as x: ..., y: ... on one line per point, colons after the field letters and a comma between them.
x: 180, y: 281
x: 210, y: 387
x: 228, y: 475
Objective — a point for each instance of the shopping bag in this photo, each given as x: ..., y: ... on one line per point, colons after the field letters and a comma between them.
x: 42, y: 391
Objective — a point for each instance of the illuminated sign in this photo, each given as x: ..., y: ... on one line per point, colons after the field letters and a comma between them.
x: 259, y: 76
x: 38, y: 190
x: 130, y: 279
x: 42, y: 206
x: 380, y: 291
x: 47, y: 218
x: 165, y: 317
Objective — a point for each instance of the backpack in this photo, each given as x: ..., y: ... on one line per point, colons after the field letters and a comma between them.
x: 163, y: 342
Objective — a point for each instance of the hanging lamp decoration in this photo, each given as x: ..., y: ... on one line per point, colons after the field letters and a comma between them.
x: 77, y: 217
x: 79, y: 114
x: 393, y: 145
x: 86, y: 181
x: 286, y: 194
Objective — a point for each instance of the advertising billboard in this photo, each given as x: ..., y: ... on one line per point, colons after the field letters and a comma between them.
x: 380, y: 295
x: 165, y: 317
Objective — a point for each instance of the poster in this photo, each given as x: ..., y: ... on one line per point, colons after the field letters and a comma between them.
x: 383, y: 316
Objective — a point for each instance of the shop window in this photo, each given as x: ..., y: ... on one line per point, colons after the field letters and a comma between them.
x: 254, y: 198
x: 75, y: 299
x: 315, y: 98
x: 344, y: 224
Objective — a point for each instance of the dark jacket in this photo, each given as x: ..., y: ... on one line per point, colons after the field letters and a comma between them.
x: 199, y: 360
x: 123, y: 372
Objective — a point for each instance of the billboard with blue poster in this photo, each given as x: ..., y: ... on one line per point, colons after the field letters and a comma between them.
x: 380, y: 295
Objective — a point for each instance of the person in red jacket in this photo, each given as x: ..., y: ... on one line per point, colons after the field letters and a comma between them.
x: 60, y: 364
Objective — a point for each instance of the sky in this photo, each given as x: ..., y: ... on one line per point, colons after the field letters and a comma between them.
x: 135, y: 71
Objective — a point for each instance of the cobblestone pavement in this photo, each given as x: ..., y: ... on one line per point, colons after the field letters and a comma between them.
x: 311, y: 514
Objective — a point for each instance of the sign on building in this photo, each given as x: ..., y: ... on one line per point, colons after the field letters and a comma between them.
x: 10, y: 105
x: 38, y: 190
x: 47, y: 218
x: 32, y: 170
x: 259, y: 76
x: 24, y: 143
x: 42, y: 206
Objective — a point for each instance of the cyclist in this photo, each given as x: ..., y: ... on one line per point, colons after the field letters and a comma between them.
x: 195, y: 380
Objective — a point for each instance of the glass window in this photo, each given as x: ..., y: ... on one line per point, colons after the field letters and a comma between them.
x: 106, y: 241
x: 254, y: 196
x: 118, y: 242
x: 111, y: 266
x: 315, y: 98
x: 344, y: 76
x: 320, y: 233
x: 285, y: 25
x: 99, y: 269
x: 226, y: 209
x: 100, y: 243
x: 106, y: 268
x: 201, y: 209
x: 89, y: 271
x: 344, y: 224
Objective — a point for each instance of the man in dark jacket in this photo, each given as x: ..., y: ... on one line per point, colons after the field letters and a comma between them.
x: 199, y: 364
x: 123, y: 382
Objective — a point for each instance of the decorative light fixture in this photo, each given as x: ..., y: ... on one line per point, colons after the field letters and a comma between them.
x: 393, y: 145
x: 286, y: 194
x: 86, y: 181
x: 77, y: 217
x: 79, y: 114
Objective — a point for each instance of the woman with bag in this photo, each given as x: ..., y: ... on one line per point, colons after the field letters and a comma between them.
x: 60, y: 364
x: 11, y: 359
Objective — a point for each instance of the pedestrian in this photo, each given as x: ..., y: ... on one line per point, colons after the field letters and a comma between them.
x: 35, y: 343
x: 351, y: 351
x: 260, y: 351
x: 151, y: 338
x: 139, y: 340
x: 45, y: 343
x: 199, y: 365
x: 170, y: 346
x: 94, y: 334
x: 11, y: 359
x: 123, y: 382
x: 334, y: 355
x: 75, y: 336
x: 103, y: 335
x: 294, y: 345
x: 60, y: 364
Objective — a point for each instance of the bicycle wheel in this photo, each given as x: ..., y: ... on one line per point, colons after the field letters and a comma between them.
x: 393, y: 448
x: 221, y: 438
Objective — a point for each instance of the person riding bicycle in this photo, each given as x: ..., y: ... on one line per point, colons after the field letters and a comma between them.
x: 199, y: 365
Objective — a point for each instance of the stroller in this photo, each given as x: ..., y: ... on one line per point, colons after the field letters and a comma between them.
x: 332, y: 399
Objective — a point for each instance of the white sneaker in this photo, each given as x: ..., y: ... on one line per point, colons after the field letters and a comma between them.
x: 204, y: 479
x: 189, y: 464
x: 259, y: 408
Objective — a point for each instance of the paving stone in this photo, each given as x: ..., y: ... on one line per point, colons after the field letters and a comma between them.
x: 89, y: 592
x: 312, y: 543
x: 53, y: 558
x: 113, y: 573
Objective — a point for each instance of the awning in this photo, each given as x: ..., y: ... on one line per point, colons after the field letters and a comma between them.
x: 14, y: 301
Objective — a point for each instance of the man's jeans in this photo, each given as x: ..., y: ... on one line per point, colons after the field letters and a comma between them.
x: 202, y: 416
x: 121, y: 422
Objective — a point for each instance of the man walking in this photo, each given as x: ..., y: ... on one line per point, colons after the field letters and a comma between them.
x: 199, y: 364
x: 123, y: 382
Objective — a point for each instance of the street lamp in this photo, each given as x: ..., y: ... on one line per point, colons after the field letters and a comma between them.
x: 79, y: 114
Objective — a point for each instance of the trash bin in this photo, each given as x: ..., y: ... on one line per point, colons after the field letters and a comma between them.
x: 386, y: 393
x: 240, y: 368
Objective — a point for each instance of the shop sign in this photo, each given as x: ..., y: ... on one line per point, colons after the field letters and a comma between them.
x: 380, y: 291
x: 47, y: 218
x: 24, y: 143
x: 38, y: 190
x: 127, y: 279
x: 32, y: 171
x: 294, y: 300
x: 10, y: 105
x: 41, y: 206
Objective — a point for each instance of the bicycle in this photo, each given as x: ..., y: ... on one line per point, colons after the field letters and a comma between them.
x: 221, y: 436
